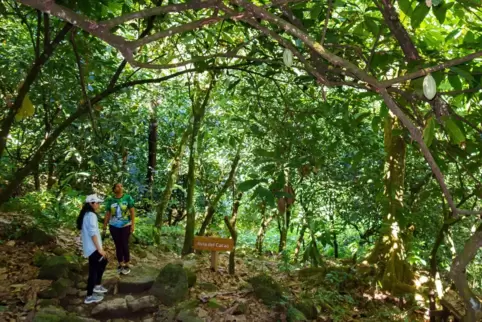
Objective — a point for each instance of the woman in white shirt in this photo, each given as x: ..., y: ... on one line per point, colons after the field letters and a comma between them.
x: 87, y: 222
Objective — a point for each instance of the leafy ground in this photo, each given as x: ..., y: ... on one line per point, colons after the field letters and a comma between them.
x: 331, y: 293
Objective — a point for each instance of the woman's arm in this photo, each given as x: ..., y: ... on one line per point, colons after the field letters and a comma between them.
x: 106, y: 220
x: 97, y: 245
x: 133, y: 218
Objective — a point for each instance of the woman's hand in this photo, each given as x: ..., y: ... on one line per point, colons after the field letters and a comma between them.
x: 102, y: 253
x: 132, y: 228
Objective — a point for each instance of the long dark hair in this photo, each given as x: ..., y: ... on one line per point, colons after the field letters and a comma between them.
x: 115, y: 185
x: 85, y: 209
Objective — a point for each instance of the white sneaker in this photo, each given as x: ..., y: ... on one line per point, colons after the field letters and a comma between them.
x: 125, y: 270
x: 100, y: 289
x: 94, y: 298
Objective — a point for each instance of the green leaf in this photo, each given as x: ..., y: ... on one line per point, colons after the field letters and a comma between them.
x: 376, y: 123
x: 454, y: 131
x: 455, y: 82
x: 405, y: 6
x: 265, y: 194
x: 440, y: 12
x: 360, y: 117
x: 469, y: 38
x: 462, y: 72
x: 419, y: 14
x: 429, y: 132
x: 372, y: 26
x: 315, y: 11
x: 248, y: 184
x: 452, y: 34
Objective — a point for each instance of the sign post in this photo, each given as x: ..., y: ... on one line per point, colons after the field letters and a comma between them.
x: 215, y: 245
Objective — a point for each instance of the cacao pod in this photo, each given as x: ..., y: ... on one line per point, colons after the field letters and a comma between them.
x: 429, y: 87
x: 288, y: 57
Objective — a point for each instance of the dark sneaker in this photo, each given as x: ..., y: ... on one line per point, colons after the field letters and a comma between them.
x: 94, y: 298
x: 119, y: 269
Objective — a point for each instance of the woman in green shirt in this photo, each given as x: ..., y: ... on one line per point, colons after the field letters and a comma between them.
x: 120, y: 215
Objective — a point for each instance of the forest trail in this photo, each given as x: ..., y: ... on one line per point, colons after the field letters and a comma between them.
x: 43, y: 278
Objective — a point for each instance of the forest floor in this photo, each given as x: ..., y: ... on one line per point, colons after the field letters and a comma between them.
x: 31, y: 290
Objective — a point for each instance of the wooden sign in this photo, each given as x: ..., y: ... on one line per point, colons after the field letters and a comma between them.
x: 213, y: 244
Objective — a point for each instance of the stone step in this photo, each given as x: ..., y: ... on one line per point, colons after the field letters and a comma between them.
x: 128, y: 306
x: 138, y: 281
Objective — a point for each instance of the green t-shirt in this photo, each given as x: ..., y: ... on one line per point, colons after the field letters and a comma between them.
x: 119, y: 210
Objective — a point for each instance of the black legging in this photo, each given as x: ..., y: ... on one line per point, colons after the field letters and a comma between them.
x: 97, y: 265
x: 121, y: 241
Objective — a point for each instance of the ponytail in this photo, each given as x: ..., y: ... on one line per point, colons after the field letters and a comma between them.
x: 85, y: 209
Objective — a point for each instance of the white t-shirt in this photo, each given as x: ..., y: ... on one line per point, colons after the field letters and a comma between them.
x: 90, y: 228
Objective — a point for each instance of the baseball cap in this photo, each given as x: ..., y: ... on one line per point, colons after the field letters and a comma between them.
x: 93, y: 198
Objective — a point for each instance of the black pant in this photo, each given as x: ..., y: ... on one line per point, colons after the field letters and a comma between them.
x: 97, y: 265
x: 121, y: 241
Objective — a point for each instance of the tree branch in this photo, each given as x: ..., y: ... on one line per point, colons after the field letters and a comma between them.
x: 27, y: 83
x: 426, y: 71
x: 327, y: 19
x: 175, y: 30
x: 177, y: 8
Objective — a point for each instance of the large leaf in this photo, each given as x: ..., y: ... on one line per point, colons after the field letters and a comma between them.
x: 405, y: 6
x: 440, y: 12
x: 248, y: 184
x: 429, y: 132
x: 265, y: 194
x: 462, y: 72
x: 454, y: 80
x: 454, y: 131
x: 419, y: 14
x: 371, y: 25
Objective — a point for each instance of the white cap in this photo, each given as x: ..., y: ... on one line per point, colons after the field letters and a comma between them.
x: 93, y: 198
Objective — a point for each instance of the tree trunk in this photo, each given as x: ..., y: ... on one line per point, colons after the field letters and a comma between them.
x: 22, y: 173
x: 171, y: 179
x: 152, y: 153
x: 36, y: 178
x: 283, y: 225
x: 231, y: 223
x: 335, y: 241
x: 262, y: 230
x: 199, y: 109
x: 389, y: 251
x: 458, y: 273
x: 27, y: 84
x: 213, y: 205
x: 299, y: 242
x: 50, y: 175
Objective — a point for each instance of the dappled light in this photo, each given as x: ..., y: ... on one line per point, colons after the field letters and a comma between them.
x: 240, y: 160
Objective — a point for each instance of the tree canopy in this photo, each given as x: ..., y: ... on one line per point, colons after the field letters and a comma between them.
x: 196, y: 107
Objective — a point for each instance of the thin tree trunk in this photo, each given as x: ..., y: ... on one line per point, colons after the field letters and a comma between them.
x: 335, y: 241
x: 213, y: 205
x: 36, y: 177
x: 27, y: 84
x: 199, y: 109
x: 458, y: 273
x: 262, y: 232
x: 50, y: 175
x: 22, y: 173
x: 231, y: 223
x: 284, y: 223
x: 299, y: 242
x: 171, y: 179
x: 152, y: 153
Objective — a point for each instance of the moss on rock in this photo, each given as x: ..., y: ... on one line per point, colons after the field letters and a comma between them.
x: 266, y: 289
